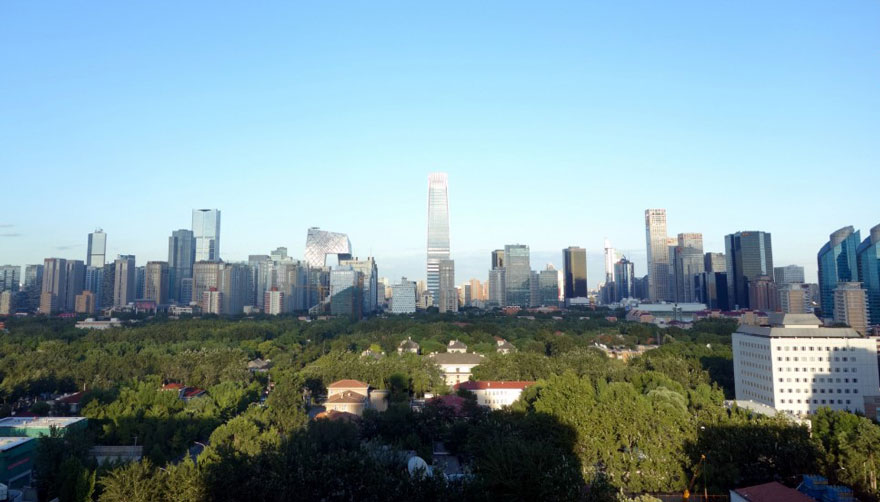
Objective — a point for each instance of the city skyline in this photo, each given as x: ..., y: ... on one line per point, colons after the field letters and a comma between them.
x: 590, y: 95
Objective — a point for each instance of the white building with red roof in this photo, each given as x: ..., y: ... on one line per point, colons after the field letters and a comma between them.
x: 494, y: 394
x: 354, y: 396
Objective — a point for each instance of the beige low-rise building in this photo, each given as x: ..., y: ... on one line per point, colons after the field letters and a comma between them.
x: 456, y: 366
x: 354, y: 396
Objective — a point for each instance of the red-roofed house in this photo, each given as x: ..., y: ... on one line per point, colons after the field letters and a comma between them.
x: 495, y: 394
x: 184, y: 392
x: 768, y: 492
x: 72, y: 401
x: 353, y: 396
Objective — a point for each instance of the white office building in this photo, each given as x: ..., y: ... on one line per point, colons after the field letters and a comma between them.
x: 403, y: 297
x: 797, y: 366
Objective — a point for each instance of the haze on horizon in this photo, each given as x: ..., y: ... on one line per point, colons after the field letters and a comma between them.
x: 557, y: 124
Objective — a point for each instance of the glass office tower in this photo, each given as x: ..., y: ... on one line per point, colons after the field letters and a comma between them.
x: 868, y: 255
x: 320, y: 243
x: 517, y: 276
x: 97, y: 252
x: 181, y: 256
x: 206, y: 231
x: 574, y: 269
x: 749, y: 255
x: 658, y: 255
x: 438, y: 230
x: 837, y: 263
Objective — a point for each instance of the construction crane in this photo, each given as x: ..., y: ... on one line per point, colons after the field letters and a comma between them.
x: 699, y: 469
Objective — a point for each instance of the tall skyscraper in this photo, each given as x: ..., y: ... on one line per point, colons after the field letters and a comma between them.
x: 438, y: 229
x: 624, y: 272
x: 10, y: 276
x: 156, y: 283
x: 108, y: 286
x: 610, y: 259
x: 763, y: 294
x: 795, y: 298
x: 869, y: 272
x: 548, y: 287
x: 76, y: 283
x: 448, y: 297
x: 403, y: 297
x: 788, y: 274
x: 370, y: 274
x: 574, y: 268
x: 206, y: 231
x: 125, y: 280
x: 518, y: 274
x: 206, y: 275
x: 33, y: 286
x: 851, y: 306
x: 749, y: 255
x: 54, y: 288
x: 689, y: 262
x: 346, y: 292
x: 658, y: 255
x: 181, y: 256
x: 837, y: 263
x: 320, y: 243
x: 497, y: 259
x: 497, y: 288
x: 97, y: 252
x: 715, y: 262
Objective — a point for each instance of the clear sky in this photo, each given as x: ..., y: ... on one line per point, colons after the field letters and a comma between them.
x: 558, y: 123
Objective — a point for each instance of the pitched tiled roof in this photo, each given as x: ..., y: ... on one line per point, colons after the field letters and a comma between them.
x: 74, y: 398
x: 455, y: 344
x: 347, y: 397
x: 772, y: 492
x: 457, y: 358
x: 172, y: 386
x: 492, y: 384
x: 347, y: 384
x: 193, y: 392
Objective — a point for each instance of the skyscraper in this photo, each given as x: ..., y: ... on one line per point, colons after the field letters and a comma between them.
x: 850, y: 306
x: 346, y: 292
x: 497, y: 259
x: 76, y: 283
x: 749, y: 255
x: 156, y: 283
x: 624, y: 271
x: 689, y: 262
x: 54, y: 288
x: 97, y: 252
x: 403, y: 297
x: 320, y: 243
x: 548, y: 287
x: 181, y: 256
x: 658, y: 254
x: 497, y: 287
x: 610, y: 259
x: 370, y: 274
x: 438, y: 229
x: 574, y: 267
x: 788, y: 274
x: 125, y: 278
x: 869, y: 272
x: 10, y: 276
x: 715, y: 262
x: 206, y: 231
x: 518, y: 274
x: 837, y: 263
x: 33, y: 286
x: 448, y: 297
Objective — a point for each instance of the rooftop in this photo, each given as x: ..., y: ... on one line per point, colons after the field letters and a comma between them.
x: 347, y: 397
x: 39, y: 421
x: 780, y: 319
x: 772, y: 492
x: 11, y: 442
x: 455, y: 344
x: 457, y: 358
x: 802, y: 331
x: 347, y: 384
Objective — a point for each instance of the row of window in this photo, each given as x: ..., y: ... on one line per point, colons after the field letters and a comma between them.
x: 811, y: 348
x: 823, y: 370
x: 817, y: 401
x: 818, y: 391
x: 836, y: 359
x: 820, y: 379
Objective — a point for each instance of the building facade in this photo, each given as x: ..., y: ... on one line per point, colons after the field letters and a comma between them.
x: 448, y: 295
x: 658, y: 255
x: 625, y: 285
x: 321, y: 243
x: 574, y: 270
x: 181, y: 257
x: 96, y: 255
x: 156, y: 282
x: 869, y: 272
x: 438, y: 229
x: 689, y: 262
x: 54, y: 290
x: 206, y: 232
x: 837, y: 263
x: 125, y: 279
x: 749, y: 255
x: 851, y: 306
x: 517, y: 277
x: 403, y: 297
x: 346, y: 292
x: 788, y: 274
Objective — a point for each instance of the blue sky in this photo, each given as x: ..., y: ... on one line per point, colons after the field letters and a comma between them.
x: 558, y: 123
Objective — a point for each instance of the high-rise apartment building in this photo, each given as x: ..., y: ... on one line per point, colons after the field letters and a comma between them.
x: 625, y: 287
x: 851, y: 306
x: 273, y: 302
x: 125, y: 280
x: 8, y: 303
x: 518, y: 274
x: 749, y: 255
x: 96, y: 256
x: 10, y: 276
x: 497, y: 287
x: 85, y: 303
x: 438, y: 229
x: 76, y: 283
x: 33, y: 286
x: 234, y: 280
x: 788, y: 274
x: 610, y: 260
x: 497, y: 259
x: 658, y: 255
x: 206, y: 232
x: 837, y: 263
x: 156, y: 282
x: 448, y: 296
x: 574, y: 268
x: 795, y: 298
x: 206, y: 275
x: 181, y: 257
x: 763, y: 295
x: 108, y: 285
x: 869, y: 272
x: 54, y: 290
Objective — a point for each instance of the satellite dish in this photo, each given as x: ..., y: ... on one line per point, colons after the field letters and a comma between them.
x: 418, y: 467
